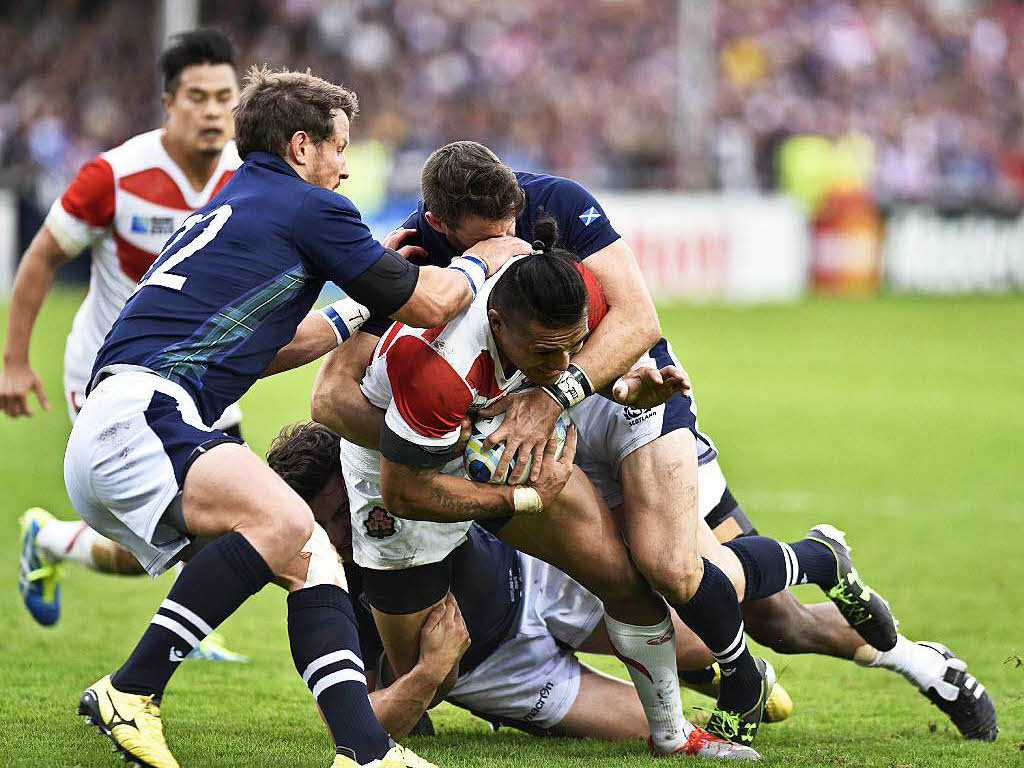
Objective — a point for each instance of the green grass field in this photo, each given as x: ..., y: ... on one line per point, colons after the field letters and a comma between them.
x: 899, y: 420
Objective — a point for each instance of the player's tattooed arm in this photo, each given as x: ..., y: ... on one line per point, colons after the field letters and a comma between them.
x: 418, y: 493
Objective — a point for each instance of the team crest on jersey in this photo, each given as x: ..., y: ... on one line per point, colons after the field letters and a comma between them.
x: 153, y: 225
x: 634, y: 416
x: 589, y: 215
x: 380, y: 524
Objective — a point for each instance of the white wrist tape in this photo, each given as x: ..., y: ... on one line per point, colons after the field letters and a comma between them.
x: 324, y: 565
x: 346, y: 316
x: 473, y: 267
x: 527, y: 500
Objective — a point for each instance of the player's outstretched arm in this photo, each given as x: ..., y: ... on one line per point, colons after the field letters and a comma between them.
x: 31, y: 285
x: 338, y: 402
x: 443, y: 640
x: 443, y: 293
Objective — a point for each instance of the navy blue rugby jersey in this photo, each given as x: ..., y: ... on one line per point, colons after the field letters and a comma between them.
x: 583, y: 226
x: 231, y: 286
x: 487, y: 583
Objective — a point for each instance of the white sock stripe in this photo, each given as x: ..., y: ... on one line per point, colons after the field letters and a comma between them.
x: 731, y: 646
x: 733, y: 656
x: 191, y: 616
x: 176, y: 628
x: 342, y: 676
x: 792, y: 566
x: 789, y: 566
x: 331, y: 658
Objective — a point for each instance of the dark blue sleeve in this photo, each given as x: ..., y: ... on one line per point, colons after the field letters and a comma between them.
x: 584, y: 226
x: 331, y: 235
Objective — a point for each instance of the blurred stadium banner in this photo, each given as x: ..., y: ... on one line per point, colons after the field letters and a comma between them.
x: 966, y: 250
x: 731, y: 247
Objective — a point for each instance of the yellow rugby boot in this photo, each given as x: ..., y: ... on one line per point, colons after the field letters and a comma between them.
x: 129, y: 720
x: 397, y: 757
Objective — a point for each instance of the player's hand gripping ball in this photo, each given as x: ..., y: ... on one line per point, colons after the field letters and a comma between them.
x: 480, y: 462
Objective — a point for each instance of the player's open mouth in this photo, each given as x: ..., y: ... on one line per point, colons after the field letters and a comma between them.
x: 211, y: 133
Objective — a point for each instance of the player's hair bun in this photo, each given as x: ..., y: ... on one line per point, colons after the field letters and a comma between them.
x: 545, y: 232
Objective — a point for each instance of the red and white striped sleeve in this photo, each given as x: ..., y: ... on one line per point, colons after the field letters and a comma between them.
x: 85, y: 209
x: 429, y: 400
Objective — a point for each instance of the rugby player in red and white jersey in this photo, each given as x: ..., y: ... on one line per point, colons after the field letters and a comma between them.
x: 123, y: 204
x: 411, y: 504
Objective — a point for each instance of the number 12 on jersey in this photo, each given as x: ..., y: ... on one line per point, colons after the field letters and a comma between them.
x: 161, y: 274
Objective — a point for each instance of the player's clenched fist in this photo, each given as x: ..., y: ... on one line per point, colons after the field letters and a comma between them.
x: 15, y: 383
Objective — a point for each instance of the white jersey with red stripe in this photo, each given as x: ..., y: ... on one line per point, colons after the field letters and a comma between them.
x: 426, y: 381
x: 429, y: 380
x: 124, y: 203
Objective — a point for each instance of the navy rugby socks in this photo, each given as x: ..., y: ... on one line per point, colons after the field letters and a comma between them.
x: 224, y: 574
x: 769, y: 566
x: 324, y: 639
x: 713, y: 613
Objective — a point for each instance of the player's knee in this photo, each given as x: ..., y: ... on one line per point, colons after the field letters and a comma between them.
x: 316, y: 564
x: 676, y: 575
x: 294, y: 525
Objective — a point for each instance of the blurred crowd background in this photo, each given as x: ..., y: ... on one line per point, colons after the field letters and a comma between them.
x: 919, y: 99
x: 897, y: 100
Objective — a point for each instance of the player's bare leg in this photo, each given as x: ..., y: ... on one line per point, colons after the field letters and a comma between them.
x: 659, y: 482
x: 578, y: 535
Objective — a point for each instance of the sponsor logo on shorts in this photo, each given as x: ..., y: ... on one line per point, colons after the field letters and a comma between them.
x: 379, y: 523
x: 636, y: 415
x: 542, y: 699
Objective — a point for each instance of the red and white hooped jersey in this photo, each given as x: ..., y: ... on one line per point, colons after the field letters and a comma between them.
x: 124, y: 203
x: 427, y: 380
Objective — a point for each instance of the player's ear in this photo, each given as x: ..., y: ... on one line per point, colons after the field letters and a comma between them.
x: 166, y: 99
x: 436, y: 224
x: 494, y: 318
x: 299, y: 146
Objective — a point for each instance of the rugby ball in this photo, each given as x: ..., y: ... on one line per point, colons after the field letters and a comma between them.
x: 480, y: 462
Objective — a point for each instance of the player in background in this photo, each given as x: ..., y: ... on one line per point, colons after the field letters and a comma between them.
x: 123, y: 204
x: 227, y: 301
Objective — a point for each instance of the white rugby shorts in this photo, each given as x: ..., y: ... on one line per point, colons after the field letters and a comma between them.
x: 381, y: 540
x: 130, y: 447
x: 533, y: 677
